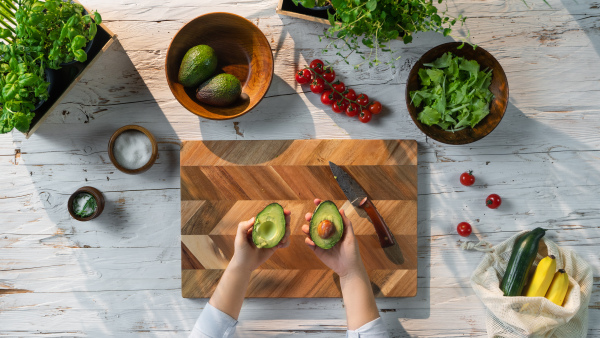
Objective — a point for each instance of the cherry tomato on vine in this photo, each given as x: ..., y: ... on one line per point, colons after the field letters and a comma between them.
x: 329, y: 74
x: 339, y: 86
x: 303, y: 76
x: 467, y: 178
x: 327, y: 97
x: 493, y: 201
x: 362, y: 100
x: 352, y: 109
x: 350, y: 94
x: 464, y: 229
x: 375, y: 107
x: 365, y: 116
x: 317, y: 86
x: 340, y: 106
x: 317, y: 65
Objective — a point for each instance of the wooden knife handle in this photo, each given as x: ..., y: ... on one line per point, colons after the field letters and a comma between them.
x: 383, y: 232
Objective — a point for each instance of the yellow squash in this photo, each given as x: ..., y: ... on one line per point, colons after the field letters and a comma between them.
x: 542, y: 278
x: 558, y: 289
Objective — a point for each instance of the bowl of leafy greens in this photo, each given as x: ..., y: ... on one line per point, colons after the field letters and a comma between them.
x: 456, y: 93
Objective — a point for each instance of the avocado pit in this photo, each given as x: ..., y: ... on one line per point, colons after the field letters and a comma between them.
x: 325, y: 229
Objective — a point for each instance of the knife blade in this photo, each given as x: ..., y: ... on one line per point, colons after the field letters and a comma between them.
x: 358, y: 198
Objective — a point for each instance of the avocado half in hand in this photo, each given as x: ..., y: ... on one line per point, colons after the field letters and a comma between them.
x: 269, y: 227
x: 326, y: 225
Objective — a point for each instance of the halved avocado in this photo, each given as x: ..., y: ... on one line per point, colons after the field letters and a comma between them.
x: 269, y: 226
x: 326, y: 225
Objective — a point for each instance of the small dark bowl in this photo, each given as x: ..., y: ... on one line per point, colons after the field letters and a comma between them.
x: 111, y: 144
x: 242, y: 50
x: 99, y: 203
x: 499, y: 87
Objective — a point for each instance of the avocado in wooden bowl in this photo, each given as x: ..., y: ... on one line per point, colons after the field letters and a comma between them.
x: 242, y: 50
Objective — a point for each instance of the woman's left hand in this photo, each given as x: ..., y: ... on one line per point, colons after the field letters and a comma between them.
x: 247, y: 257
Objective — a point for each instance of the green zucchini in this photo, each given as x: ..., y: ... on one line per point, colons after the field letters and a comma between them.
x: 522, y: 257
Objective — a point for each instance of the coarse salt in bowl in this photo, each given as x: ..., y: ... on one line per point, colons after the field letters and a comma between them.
x: 132, y: 149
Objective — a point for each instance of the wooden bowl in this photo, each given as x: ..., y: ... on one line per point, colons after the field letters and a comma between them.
x: 111, y: 144
x: 99, y: 203
x: 242, y: 50
x: 499, y: 87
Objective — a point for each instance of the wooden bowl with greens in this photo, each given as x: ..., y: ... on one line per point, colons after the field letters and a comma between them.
x: 86, y: 204
x: 457, y: 95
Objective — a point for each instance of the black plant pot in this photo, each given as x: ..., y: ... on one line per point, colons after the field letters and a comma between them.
x: 319, y: 8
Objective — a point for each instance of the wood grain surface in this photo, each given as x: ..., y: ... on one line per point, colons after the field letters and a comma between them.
x: 120, y: 274
x: 226, y: 182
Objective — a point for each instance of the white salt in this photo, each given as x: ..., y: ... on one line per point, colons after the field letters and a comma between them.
x: 132, y: 149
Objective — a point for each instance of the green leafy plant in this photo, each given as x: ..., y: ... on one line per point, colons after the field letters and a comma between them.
x: 59, y: 29
x: 373, y: 24
x: 23, y: 84
x: 37, y: 35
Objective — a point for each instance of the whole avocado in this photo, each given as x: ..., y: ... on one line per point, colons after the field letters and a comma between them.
x: 220, y: 90
x: 198, y: 64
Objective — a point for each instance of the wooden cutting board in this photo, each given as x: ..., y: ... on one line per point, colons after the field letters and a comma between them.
x: 226, y: 182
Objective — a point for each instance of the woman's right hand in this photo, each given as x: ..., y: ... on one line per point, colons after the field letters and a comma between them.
x: 344, y: 258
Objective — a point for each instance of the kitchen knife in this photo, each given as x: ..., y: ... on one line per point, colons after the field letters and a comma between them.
x: 358, y: 198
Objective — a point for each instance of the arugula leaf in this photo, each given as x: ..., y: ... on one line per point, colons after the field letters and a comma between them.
x: 442, y: 62
x: 454, y: 92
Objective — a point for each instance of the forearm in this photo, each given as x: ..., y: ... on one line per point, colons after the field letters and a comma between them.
x: 358, y: 299
x: 229, y: 294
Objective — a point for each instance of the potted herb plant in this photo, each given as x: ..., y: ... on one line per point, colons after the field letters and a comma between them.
x: 37, y: 35
x: 23, y: 84
x: 372, y: 23
x: 64, y: 30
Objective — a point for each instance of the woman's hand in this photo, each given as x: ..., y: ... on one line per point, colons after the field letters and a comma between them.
x: 247, y: 257
x: 344, y: 258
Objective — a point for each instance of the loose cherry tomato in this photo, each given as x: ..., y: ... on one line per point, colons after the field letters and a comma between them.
x: 317, y: 65
x: 467, y: 178
x: 327, y: 97
x: 339, y: 86
x: 375, y: 107
x: 328, y: 74
x: 339, y: 106
x: 464, y: 229
x: 362, y: 100
x: 350, y: 94
x: 493, y: 201
x: 317, y: 86
x: 365, y: 116
x: 304, y: 76
x: 352, y: 109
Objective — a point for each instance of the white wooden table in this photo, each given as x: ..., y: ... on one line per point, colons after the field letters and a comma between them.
x: 119, y: 275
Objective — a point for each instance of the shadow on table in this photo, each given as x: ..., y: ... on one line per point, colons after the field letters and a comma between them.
x: 586, y: 14
x: 281, y: 115
x: 137, y: 225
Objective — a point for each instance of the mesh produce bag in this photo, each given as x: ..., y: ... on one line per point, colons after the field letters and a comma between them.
x: 533, y: 316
